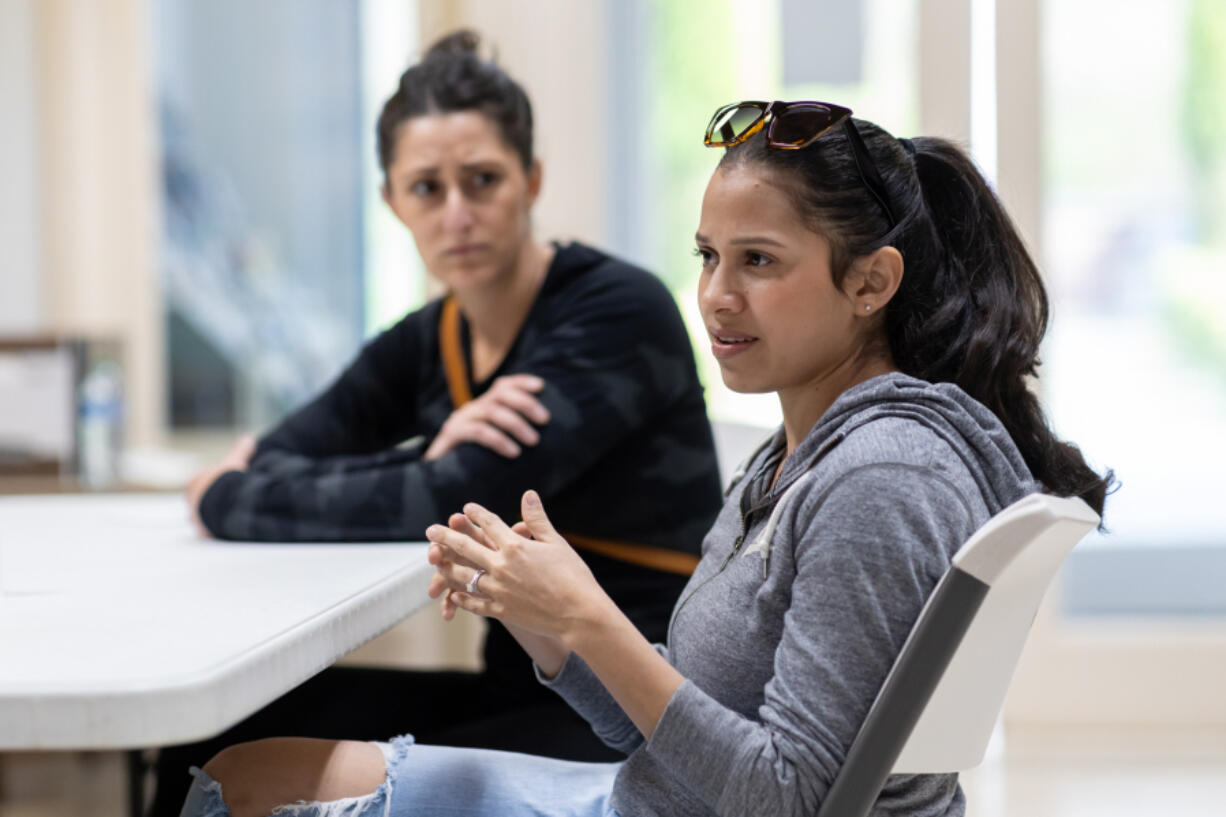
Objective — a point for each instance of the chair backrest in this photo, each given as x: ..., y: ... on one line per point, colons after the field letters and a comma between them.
x: 734, y: 444
x: 937, y: 707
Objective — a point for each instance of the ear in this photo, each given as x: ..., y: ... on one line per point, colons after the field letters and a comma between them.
x: 535, y: 173
x: 873, y: 280
x: 386, y: 192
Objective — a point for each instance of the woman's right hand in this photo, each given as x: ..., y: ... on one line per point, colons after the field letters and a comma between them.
x: 547, y: 651
x: 501, y: 419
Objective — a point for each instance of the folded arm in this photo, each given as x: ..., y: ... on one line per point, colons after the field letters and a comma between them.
x: 605, y: 373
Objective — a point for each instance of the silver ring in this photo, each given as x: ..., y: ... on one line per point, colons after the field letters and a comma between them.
x: 471, y: 587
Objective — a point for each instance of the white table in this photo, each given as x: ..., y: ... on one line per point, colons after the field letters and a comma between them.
x: 121, y: 628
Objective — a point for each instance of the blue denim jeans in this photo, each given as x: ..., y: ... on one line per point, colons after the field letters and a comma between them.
x: 443, y: 780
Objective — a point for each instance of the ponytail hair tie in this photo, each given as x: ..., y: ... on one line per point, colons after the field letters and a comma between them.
x: 908, y: 146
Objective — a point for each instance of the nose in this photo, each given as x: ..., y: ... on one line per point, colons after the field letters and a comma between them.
x: 717, y: 292
x: 457, y: 211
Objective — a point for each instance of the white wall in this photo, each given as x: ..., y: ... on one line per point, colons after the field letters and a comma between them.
x: 21, y: 302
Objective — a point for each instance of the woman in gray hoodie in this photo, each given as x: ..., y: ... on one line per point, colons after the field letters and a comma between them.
x: 878, y: 287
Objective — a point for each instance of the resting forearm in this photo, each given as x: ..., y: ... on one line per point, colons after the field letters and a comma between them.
x: 361, y: 506
x: 639, y: 678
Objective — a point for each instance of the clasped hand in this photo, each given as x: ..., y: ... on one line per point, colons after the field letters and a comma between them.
x: 500, y: 419
x: 533, y: 579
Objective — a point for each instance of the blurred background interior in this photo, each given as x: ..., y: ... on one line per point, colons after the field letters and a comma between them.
x: 194, y: 242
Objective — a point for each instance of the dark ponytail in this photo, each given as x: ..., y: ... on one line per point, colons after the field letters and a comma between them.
x: 971, y: 308
x: 451, y: 77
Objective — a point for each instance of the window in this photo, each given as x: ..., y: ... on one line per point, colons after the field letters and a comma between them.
x: 262, y: 244
x: 1134, y: 223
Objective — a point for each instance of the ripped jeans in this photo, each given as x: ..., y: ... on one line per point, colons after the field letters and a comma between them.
x: 433, y: 780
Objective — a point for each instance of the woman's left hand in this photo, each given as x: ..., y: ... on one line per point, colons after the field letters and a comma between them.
x: 533, y: 578
x: 236, y: 459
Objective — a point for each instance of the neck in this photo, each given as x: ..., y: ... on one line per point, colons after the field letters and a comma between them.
x: 804, y: 405
x: 496, y: 311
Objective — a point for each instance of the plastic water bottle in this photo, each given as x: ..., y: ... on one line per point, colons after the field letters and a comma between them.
x: 98, y: 435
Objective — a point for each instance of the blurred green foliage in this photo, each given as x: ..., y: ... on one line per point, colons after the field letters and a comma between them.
x: 695, y: 62
x: 1204, y: 112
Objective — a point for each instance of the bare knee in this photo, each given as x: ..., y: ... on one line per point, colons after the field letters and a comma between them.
x: 257, y: 777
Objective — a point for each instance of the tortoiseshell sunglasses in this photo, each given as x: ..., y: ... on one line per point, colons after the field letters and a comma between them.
x: 792, y: 126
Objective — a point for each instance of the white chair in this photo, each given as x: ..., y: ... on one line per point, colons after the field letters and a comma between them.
x: 734, y: 443
x: 937, y: 707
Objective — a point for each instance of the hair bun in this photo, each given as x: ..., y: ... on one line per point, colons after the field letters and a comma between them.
x: 463, y: 41
x: 449, y: 78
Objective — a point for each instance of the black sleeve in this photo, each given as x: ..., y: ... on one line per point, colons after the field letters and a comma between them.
x: 613, y: 353
x: 368, y: 409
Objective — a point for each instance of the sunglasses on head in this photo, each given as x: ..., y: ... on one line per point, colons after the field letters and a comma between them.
x: 792, y: 126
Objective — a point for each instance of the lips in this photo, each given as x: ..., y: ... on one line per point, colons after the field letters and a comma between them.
x: 726, y: 343
x: 465, y: 249
x: 722, y: 335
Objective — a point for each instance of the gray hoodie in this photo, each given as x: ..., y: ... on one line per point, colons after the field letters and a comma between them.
x: 784, y: 637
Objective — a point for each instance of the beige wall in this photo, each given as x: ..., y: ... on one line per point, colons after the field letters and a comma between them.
x: 565, y: 80
x: 1120, y: 673
x: 1019, y: 115
x: 945, y: 69
x: 21, y: 307
x: 97, y: 166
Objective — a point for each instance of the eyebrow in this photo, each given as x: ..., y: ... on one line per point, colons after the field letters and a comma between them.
x: 480, y: 164
x: 736, y: 242
x: 419, y: 171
